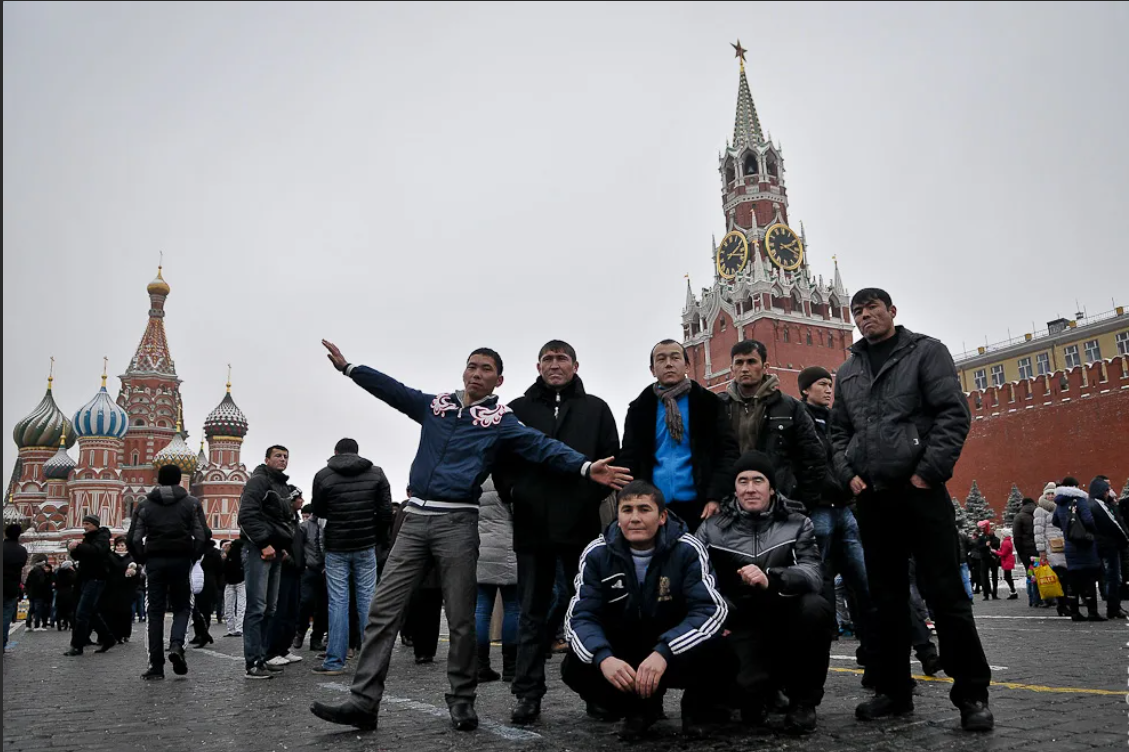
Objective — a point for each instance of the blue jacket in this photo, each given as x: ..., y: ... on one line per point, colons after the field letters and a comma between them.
x: 675, y: 609
x: 1078, y: 556
x: 458, y: 444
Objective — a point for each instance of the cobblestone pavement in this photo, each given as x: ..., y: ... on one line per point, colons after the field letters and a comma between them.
x: 1061, y: 687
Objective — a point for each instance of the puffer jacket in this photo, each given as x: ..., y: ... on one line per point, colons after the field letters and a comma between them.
x: 1046, y: 531
x: 780, y: 541
x: 676, y: 608
x: 497, y: 562
x: 1023, y: 528
x: 312, y: 534
x: 266, y: 515
x: 352, y: 495
x: 1007, y: 554
x: 1078, y: 555
x: 166, y: 523
x: 910, y: 419
x: 93, y: 555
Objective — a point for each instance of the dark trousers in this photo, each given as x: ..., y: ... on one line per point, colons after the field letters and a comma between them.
x: 285, y: 621
x: 1009, y: 581
x: 39, y: 612
x: 989, y: 578
x: 705, y: 672
x: 202, y: 606
x: 801, y: 669
x: 313, y: 605
x: 168, y: 585
x: 88, y: 616
x: 1111, y: 562
x: 536, y: 575
x: 884, y: 517
x: 421, y: 623
x: 1084, y: 588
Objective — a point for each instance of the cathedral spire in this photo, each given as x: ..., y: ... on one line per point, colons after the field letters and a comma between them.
x: 152, y: 354
x: 747, y: 126
x: 838, y: 284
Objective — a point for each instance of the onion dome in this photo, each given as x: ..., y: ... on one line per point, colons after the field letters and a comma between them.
x: 177, y: 453
x: 158, y: 286
x: 45, y: 426
x: 12, y: 514
x: 101, y: 417
x: 227, y: 419
x: 59, y: 466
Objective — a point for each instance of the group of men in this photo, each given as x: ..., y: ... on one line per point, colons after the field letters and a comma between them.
x: 733, y: 514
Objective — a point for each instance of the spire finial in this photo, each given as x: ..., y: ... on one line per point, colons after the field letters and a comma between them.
x: 51, y: 374
x: 739, y: 53
x: 63, y: 438
x: 105, y: 369
x: 229, y: 378
x: 179, y: 418
x: 160, y: 262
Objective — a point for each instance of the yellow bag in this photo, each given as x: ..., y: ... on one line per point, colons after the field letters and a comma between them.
x: 1049, y: 586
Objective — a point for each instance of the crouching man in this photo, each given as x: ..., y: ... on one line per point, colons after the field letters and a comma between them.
x: 645, y: 618
x: 768, y: 568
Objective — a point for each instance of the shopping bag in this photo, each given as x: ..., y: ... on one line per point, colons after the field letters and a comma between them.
x: 1049, y: 586
x: 197, y: 579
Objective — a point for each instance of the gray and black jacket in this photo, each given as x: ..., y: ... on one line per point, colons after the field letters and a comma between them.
x: 266, y: 514
x: 910, y: 419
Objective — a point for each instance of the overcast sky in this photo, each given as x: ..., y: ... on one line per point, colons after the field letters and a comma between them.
x: 414, y: 181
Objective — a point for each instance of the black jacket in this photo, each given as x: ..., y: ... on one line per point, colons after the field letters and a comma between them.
x: 15, y: 559
x: 167, y: 522
x: 1110, y: 530
x: 212, y: 564
x: 713, y: 446
x: 988, y: 546
x: 553, y: 508
x: 788, y: 437
x: 911, y: 419
x: 93, y: 555
x: 233, y: 564
x: 1023, y: 531
x: 833, y: 493
x: 38, y: 585
x: 266, y: 514
x: 352, y: 495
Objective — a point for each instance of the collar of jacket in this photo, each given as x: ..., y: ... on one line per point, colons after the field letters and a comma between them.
x: 905, y: 339
x: 664, y: 539
x: 818, y: 411
x: 271, y: 473
x: 542, y: 391
x: 1068, y: 493
x: 768, y: 390
x: 460, y: 395
x: 732, y: 513
x: 648, y: 393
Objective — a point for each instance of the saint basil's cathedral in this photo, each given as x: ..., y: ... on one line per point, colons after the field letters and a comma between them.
x: 121, y: 444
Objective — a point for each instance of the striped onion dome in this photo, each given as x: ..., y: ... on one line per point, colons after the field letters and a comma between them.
x: 226, y: 420
x: 101, y: 417
x: 45, y: 426
x: 176, y: 453
x: 59, y: 466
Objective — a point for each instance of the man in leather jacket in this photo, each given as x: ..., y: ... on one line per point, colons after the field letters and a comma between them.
x: 769, y: 568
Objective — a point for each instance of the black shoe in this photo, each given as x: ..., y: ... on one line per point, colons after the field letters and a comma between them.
x: 405, y: 640
x: 883, y: 706
x: 1013, y: 597
x: 345, y: 714
x: 987, y: 598
x: 975, y: 716
x: 73, y: 652
x: 930, y: 665
x: 600, y: 713
x: 485, y: 673
x: 463, y: 717
x: 153, y: 674
x: 176, y: 658
x: 633, y: 727
x: 995, y: 597
x: 425, y: 659
x: 105, y: 646
x: 800, y: 720
x: 509, y: 662
x: 526, y: 711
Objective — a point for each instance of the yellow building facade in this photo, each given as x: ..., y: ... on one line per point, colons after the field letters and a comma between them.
x: 1063, y: 345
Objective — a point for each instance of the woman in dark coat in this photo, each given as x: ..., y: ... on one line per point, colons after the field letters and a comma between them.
x: 1084, y: 568
x: 121, y: 589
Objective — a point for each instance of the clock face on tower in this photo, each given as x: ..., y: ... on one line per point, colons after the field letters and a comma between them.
x: 732, y: 254
x: 784, y: 247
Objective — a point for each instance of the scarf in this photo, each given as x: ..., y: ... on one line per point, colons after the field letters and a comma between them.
x: 748, y: 421
x: 669, y: 398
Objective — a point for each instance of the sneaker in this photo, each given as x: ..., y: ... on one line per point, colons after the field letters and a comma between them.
x: 883, y: 706
x: 323, y: 671
x: 975, y: 716
x: 292, y: 657
x: 276, y: 663
x: 258, y: 672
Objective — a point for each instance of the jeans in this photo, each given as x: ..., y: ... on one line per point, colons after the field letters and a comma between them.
x: 235, y: 607
x: 484, y: 610
x: 11, y: 606
x: 1111, y: 561
x: 837, y: 535
x: 87, y: 616
x: 260, y: 580
x: 537, y: 576
x: 450, y: 541
x: 168, y: 584
x: 884, y: 517
x: 339, y: 566
x: 139, y: 604
x: 966, y: 578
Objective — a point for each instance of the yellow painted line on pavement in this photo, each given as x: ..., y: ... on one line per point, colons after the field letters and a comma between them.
x: 1008, y: 685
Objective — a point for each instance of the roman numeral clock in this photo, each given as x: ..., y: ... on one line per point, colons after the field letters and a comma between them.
x: 784, y: 247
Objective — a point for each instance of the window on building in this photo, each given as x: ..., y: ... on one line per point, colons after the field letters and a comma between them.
x: 981, y: 378
x: 1025, y: 369
x: 751, y: 167
x: 809, y: 337
x: 786, y: 338
x: 1042, y: 364
x: 1070, y: 353
x: 1123, y: 343
x: 1093, y: 351
x: 997, y: 375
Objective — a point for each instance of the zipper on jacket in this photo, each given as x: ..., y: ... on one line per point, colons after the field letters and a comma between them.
x: 557, y: 407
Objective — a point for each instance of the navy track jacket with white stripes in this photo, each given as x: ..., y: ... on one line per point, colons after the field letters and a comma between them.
x: 676, y: 608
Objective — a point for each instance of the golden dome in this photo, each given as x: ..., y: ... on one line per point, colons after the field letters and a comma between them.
x: 158, y: 286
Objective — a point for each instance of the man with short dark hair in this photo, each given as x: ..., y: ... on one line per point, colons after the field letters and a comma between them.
x: 765, y: 419
x: 352, y: 495
x: 644, y: 618
x: 898, y: 424
x: 461, y: 436
x: 15, y: 559
x: 165, y: 534
x: 93, y: 556
x: 677, y: 436
x: 555, y: 515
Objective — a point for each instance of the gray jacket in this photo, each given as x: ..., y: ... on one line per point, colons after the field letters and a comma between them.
x: 313, y: 542
x: 1046, y: 530
x: 910, y: 419
x: 497, y: 562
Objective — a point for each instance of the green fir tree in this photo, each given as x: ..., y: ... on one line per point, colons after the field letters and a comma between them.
x: 962, y: 518
x: 1014, y: 502
x: 976, y: 508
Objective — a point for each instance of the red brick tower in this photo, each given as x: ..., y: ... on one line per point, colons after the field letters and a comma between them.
x: 763, y: 287
x: 220, y: 478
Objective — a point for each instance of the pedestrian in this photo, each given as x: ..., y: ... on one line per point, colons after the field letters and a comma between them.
x: 121, y: 587
x: 38, y: 587
x: 461, y: 436
x: 284, y: 623
x: 66, y: 579
x: 211, y: 563
x: 898, y: 424
x: 235, y: 595
x: 963, y: 557
x: 1111, y: 540
x: 139, y: 595
x: 987, y: 546
x: 554, y: 516
x: 15, y: 559
x: 678, y: 436
x: 313, y: 607
x: 266, y: 526
x: 93, y: 556
x: 1023, y: 534
x: 165, y: 534
x: 352, y: 495
x: 497, y: 576
x: 1007, y: 563
x: 1050, y: 542
x: 1084, y: 566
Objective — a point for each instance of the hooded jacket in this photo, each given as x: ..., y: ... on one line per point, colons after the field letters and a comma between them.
x: 676, y: 608
x: 910, y: 419
x: 1023, y: 529
x: 552, y: 508
x: 788, y: 436
x: 167, y: 523
x: 1109, y: 529
x: 1078, y: 555
x: 266, y: 514
x: 713, y: 445
x: 1046, y: 532
x: 93, y: 555
x: 352, y: 495
x: 779, y: 541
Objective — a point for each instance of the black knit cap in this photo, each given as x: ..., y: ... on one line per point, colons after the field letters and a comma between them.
x: 93, y: 520
x: 758, y: 461
x: 810, y: 375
